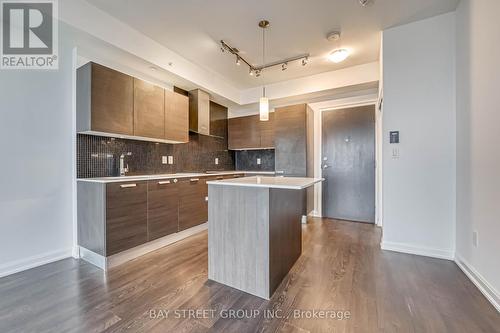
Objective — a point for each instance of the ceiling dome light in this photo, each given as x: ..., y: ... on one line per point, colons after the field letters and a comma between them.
x: 338, y: 55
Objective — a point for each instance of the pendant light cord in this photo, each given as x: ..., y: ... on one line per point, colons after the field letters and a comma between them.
x: 263, y: 58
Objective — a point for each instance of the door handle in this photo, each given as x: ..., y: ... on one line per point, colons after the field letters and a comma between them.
x: 128, y: 185
x: 325, y: 166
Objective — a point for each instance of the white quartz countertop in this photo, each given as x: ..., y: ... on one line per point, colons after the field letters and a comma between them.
x: 293, y: 183
x: 165, y: 176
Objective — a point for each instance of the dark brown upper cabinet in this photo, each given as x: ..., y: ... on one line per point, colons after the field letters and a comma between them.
x: 111, y: 103
x: 149, y: 110
x: 105, y: 100
x: 250, y: 133
x: 293, y: 137
x: 218, y: 120
x: 176, y: 117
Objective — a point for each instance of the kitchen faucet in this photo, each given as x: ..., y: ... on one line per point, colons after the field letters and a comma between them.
x: 123, y: 168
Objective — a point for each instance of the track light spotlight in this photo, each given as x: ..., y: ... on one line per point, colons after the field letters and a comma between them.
x: 238, y: 62
x: 305, y: 61
x: 284, y: 66
x: 257, y: 73
x: 250, y: 72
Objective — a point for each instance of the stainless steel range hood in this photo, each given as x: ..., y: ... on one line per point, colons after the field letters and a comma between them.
x: 199, y: 112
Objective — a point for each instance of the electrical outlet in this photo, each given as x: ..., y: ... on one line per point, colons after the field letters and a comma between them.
x: 259, y: 162
x: 475, y: 240
x: 216, y: 161
x: 164, y: 160
x: 170, y: 160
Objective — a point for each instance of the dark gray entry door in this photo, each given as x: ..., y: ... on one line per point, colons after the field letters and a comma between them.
x: 348, y: 163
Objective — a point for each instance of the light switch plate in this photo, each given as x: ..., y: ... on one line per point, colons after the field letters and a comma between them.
x: 164, y: 160
x: 259, y: 162
x: 170, y: 160
x: 395, y: 153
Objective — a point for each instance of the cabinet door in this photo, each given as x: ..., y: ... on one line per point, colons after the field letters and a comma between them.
x: 218, y: 120
x: 126, y: 216
x: 243, y: 132
x: 149, y: 111
x: 193, y: 209
x: 176, y: 117
x: 163, y: 206
x: 290, y: 140
x: 112, y: 101
x: 267, y: 132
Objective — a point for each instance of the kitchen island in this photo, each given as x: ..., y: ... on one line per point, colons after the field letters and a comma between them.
x: 254, y: 230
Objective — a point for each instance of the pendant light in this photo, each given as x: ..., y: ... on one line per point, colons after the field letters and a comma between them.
x: 264, y: 101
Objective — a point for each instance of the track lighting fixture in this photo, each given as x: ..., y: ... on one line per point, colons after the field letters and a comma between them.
x: 257, y: 70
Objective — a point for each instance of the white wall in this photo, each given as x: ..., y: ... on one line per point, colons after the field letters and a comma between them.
x: 36, y: 165
x: 478, y: 138
x: 419, y: 101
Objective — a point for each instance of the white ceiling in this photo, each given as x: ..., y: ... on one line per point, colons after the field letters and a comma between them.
x: 193, y: 28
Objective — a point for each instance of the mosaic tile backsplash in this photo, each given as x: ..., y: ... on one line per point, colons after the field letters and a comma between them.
x: 99, y: 156
x: 247, y: 160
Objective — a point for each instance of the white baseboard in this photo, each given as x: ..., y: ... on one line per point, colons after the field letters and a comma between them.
x: 75, y: 253
x: 314, y: 213
x: 484, y: 287
x: 34, y: 261
x: 418, y: 250
x: 93, y: 258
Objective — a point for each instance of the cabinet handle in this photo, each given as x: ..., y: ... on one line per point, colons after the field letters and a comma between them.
x: 194, y: 179
x: 164, y: 182
x: 280, y: 172
x: 128, y: 185
x: 220, y: 177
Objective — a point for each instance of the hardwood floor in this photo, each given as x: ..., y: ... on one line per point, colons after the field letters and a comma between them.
x: 341, y: 268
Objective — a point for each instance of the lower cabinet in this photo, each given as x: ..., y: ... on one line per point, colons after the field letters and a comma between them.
x: 163, y: 208
x: 193, y: 208
x: 115, y: 217
x: 126, y: 216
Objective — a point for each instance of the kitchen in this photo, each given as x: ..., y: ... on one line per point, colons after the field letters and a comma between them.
x: 132, y: 199
x: 227, y: 166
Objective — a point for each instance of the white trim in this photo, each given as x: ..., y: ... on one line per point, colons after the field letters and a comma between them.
x: 418, y: 250
x: 34, y: 261
x: 331, y: 105
x: 93, y: 258
x: 74, y: 205
x: 479, y: 281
